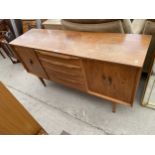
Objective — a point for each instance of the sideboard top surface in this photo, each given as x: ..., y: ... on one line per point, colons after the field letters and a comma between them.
x: 128, y: 49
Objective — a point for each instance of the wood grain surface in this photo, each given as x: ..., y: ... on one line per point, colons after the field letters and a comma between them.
x: 128, y: 49
x: 14, y: 118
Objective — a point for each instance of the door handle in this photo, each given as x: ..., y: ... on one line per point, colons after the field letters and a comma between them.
x: 31, y: 61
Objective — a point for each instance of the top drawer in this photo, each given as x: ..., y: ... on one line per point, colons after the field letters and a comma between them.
x: 58, y: 58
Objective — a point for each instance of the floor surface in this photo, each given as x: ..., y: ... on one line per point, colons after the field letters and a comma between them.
x: 58, y: 108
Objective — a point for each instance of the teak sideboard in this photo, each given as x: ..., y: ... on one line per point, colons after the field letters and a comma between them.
x: 107, y: 65
x: 14, y: 118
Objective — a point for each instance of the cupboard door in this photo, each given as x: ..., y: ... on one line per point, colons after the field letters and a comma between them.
x: 30, y: 61
x: 114, y: 82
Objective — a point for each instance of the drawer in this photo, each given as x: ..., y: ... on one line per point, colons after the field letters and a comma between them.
x: 30, y: 61
x: 76, y: 82
x: 61, y: 63
x: 54, y: 57
x: 67, y: 75
x: 74, y: 78
x: 63, y: 69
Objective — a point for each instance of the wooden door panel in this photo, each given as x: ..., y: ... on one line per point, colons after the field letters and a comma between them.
x: 112, y: 80
x: 30, y: 61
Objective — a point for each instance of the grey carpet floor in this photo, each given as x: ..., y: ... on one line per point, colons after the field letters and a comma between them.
x: 59, y: 108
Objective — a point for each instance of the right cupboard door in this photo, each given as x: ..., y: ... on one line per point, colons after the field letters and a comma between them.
x: 111, y: 81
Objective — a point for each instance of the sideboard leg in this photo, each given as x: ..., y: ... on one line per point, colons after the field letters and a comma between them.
x: 42, y: 81
x: 113, y: 107
x: 2, y: 55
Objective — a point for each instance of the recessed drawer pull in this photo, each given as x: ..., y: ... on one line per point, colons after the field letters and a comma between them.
x: 31, y: 61
x: 56, y: 55
x: 60, y: 64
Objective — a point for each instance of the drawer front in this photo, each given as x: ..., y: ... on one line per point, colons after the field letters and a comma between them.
x: 30, y: 61
x: 76, y: 82
x: 63, y: 69
x: 54, y: 57
x: 113, y: 81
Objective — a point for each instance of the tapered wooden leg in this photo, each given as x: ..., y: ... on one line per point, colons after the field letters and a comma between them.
x: 16, y: 61
x: 42, y: 81
x: 113, y: 107
x: 13, y: 61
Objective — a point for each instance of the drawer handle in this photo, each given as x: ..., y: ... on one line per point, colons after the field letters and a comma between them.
x: 31, y: 61
x: 108, y: 80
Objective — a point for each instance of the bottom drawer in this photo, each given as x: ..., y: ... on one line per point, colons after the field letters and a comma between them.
x: 70, y: 81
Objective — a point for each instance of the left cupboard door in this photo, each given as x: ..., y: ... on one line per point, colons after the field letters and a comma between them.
x: 30, y: 61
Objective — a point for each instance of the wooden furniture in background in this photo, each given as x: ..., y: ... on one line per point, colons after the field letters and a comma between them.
x: 14, y: 118
x: 6, y: 36
x: 3, y: 28
x: 148, y: 98
x: 107, y: 65
x: 28, y: 24
x: 53, y: 24
x: 2, y: 54
x: 9, y: 51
